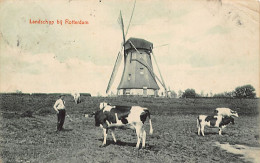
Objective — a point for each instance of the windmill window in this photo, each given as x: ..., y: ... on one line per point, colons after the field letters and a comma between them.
x: 129, y: 76
x: 141, y: 70
x: 141, y: 55
x: 133, y: 56
x: 127, y: 91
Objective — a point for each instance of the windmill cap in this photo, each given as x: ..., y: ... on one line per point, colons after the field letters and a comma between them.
x: 138, y: 43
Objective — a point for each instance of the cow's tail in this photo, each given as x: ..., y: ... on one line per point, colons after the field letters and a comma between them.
x: 150, y: 121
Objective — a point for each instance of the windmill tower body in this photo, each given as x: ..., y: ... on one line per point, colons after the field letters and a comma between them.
x: 138, y: 76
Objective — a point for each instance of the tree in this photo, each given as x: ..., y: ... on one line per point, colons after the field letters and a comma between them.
x: 189, y: 93
x: 18, y: 91
x: 202, y: 94
x: 180, y: 93
x: 246, y: 91
x: 210, y: 94
x: 225, y: 94
x: 99, y: 94
x: 173, y: 94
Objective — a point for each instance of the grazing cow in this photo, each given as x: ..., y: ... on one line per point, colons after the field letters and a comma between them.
x: 213, y: 121
x: 225, y: 112
x: 76, y: 97
x: 133, y: 117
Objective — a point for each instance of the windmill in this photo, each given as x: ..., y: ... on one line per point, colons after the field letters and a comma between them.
x: 138, y: 76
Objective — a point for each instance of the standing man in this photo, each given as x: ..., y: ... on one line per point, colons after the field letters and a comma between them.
x: 59, y: 107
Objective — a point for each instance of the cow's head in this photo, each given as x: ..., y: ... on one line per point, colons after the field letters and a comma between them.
x: 62, y: 97
x: 100, y: 118
x: 226, y: 120
x: 232, y: 121
x: 102, y: 105
x: 233, y: 113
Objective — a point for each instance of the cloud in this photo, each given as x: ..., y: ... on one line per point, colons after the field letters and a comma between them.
x: 44, y: 73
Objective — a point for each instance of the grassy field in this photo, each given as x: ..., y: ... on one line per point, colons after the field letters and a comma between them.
x: 28, y: 131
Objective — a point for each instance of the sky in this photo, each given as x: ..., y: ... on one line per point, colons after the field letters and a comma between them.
x: 205, y: 45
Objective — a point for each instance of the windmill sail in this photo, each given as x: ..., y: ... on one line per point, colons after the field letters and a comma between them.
x: 142, y: 61
x: 115, y: 69
x: 119, y: 56
x: 163, y: 83
x: 121, y: 22
x: 130, y: 19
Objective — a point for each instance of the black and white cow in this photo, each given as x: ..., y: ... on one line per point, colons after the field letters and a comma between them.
x: 213, y: 121
x: 225, y: 112
x: 76, y: 97
x: 133, y: 117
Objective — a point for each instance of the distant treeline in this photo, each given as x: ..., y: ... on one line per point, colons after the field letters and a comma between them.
x: 42, y: 104
x: 245, y: 91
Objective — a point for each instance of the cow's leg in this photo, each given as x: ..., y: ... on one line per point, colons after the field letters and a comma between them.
x: 199, y: 130
x: 202, y: 130
x: 138, y: 132
x: 105, y: 136
x: 151, y: 127
x: 219, y: 130
x: 143, y: 138
x: 198, y: 126
x: 113, y: 135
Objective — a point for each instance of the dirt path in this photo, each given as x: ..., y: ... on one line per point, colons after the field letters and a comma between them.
x: 249, y: 153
